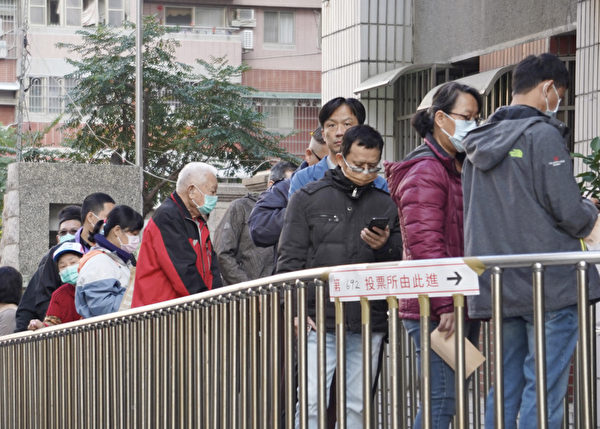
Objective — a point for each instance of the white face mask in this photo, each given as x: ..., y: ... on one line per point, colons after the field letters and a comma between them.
x: 552, y: 113
x: 461, y: 128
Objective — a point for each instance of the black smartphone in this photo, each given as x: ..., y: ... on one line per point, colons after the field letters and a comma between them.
x: 379, y: 222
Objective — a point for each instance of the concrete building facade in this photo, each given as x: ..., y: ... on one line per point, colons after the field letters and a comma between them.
x: 478, y: 42
x: 35, y: 193
x: 280, y: 40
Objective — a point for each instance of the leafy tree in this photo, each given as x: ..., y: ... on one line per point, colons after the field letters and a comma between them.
x: 32, y: 151
x: 187, y: 116
x: 589, y: 181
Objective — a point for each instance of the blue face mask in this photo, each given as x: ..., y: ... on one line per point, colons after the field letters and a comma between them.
x: 210, y: 202
x: 461, y: 128
x: 66, y: 237
x: 69, y: 274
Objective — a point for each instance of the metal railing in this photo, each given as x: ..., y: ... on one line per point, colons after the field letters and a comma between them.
x: 227, y: 359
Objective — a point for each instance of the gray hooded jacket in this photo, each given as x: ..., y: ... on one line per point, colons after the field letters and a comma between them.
x: 520, y: 196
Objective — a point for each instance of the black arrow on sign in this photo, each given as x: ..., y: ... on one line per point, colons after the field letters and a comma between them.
x: 458, y: 278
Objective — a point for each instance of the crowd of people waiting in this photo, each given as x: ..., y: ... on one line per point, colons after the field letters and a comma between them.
x: 502, y: 187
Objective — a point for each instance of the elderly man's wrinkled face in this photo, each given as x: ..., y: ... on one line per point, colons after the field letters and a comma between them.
x: 202, y: 191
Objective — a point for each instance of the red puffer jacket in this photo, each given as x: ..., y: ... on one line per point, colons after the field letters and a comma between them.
x: 426, y: 187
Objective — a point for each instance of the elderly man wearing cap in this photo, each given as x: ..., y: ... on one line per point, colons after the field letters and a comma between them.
x: 62, y: 303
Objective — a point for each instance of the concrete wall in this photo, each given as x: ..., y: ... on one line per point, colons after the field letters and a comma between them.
x: 362, y: 38
x: 458, y: 29
x: 32, y: 187
x: 587, y: 84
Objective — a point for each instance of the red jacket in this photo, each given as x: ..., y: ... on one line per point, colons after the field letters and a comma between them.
x: 426, y: 187
x: 62, y: 304
x: 176, y: 257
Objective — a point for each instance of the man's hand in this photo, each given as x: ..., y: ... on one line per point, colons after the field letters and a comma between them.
x: 309, y: 322
x: 594, y: 238
x: 377, y: 239
x: 447, y: 324
x: 35, y: 324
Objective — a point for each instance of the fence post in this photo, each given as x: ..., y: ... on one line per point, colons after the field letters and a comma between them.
x: 275, y: 357
x: 424, y: 311
x: 340, y: 333
x: 289, y: 356
x: 321, y: 355
x: 396, y: 376
x: 265, y: 405
x: 302, y: 377
x: 459, y: 373
x: 366, y: 350
x: 540, y: 345
x: 498, y: 344
x: 584, y: 364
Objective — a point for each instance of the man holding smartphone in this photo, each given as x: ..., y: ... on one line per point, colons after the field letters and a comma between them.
x: 327, y: 223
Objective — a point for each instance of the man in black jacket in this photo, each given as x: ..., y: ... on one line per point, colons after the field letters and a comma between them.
x: 46, y: 279
x: 266, y: 220
x: 326, y: 224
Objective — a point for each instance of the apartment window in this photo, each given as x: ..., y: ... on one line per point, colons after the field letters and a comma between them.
x: 209, y: 16
x: 49, y: 94
x: 116, y: 13
x: 37, y: 12
x: 35, y: 95
x: 294, y: 118
x: 279, y: 28
x: 54, y: 95
x: 181, y: 16
x: 279, y: 115
x: 75, y: 13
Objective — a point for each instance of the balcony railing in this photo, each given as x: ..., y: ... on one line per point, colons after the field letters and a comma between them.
x: 221, y: 358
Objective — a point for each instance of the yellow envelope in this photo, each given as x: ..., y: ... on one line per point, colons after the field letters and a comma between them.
x: 446, y: 349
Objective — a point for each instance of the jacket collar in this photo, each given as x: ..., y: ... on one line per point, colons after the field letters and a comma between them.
x: 444, y: 157
x: 102, y: 241
x: 79, y: 239
x: 341, y: 182
x: 183, y: 209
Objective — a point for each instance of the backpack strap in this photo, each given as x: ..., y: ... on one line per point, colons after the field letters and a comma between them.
x: 87, y: 257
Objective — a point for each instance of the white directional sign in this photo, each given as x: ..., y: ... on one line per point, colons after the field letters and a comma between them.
x: 407, y: 279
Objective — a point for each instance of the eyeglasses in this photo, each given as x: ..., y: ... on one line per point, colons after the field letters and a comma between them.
x: 477, y: 119
x: 362, y: 170
x: 71, y: 231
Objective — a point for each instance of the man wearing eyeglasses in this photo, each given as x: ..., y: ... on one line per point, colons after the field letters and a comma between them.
x: 69, y: 222
x: 326, y: 223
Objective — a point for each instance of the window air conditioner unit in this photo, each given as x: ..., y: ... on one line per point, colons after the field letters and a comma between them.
x: 248, y: 39
x: 3, y: 49
x: 243, y: 18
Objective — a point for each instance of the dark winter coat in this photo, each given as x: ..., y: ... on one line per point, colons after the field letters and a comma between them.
x: 266, y: 219
x: 521, y: 197
x: 427, y: 189
x: 240, y: 259
x: 322, y: 228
